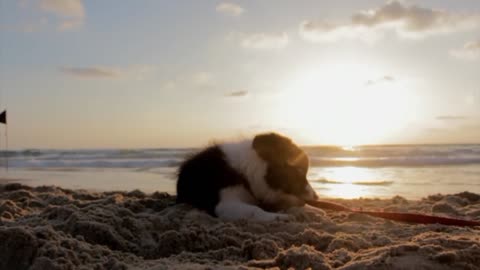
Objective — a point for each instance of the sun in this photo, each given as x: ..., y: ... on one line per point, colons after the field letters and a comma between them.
x: 336, y: 104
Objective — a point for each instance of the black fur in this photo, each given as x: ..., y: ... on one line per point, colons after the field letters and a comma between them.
x: 201, y: 178
x: 287, y: 163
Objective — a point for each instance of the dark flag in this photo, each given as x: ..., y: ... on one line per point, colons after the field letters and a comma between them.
x: 3, y: 117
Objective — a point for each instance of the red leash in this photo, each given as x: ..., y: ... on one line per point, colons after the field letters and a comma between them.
x: 403, y: 217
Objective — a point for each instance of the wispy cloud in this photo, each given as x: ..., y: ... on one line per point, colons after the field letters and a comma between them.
x: 230, y: 9
x: 407, y: 21
x: 469, y: 51
x: 241, y: 93
x: 451, y: 117
x: 138, y: 72
x: 384, y: 79
x: 39, y: 15
x: 90, y: 72
x: 414, y: 19
x: 70, y: 13
x: 318, y: 31
x: 261, y: 41
x: 65, y: 8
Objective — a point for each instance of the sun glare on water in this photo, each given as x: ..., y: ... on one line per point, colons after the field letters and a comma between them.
x: 348, y: 183
x: 345, y: 104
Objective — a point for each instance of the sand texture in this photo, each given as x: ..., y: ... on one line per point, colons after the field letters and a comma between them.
x: 54, y: 228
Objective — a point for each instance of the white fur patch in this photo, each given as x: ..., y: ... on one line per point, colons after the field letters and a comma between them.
x: 237, y: 193
x: 237, y: 203
x: 243, y: 158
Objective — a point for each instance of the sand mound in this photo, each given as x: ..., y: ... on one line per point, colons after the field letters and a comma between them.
x: 55, y: 228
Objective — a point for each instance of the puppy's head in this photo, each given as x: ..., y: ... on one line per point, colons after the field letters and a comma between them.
x: 287, y: 166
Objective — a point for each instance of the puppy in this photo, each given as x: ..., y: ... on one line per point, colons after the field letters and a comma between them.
x: 249, y: 179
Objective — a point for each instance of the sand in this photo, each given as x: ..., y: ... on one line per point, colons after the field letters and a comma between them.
x: 53, y: 228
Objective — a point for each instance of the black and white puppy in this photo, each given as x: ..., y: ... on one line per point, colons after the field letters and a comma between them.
x: 249, y: 179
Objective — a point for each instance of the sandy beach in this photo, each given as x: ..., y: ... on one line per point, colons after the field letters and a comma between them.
x: 49, y: 227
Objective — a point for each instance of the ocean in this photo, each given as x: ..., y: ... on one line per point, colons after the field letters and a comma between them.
x: 377, y: 171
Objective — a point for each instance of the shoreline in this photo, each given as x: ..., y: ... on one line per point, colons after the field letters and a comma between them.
x: 48, y: 227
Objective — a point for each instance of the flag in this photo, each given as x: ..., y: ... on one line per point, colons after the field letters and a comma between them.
x: 3, y: 117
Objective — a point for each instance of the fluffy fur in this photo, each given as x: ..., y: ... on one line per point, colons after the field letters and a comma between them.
x: 246, y: 179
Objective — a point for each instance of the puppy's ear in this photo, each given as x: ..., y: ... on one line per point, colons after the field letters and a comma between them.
x: 299, y: 159
x: 270, y: 146
x: 263, y: 143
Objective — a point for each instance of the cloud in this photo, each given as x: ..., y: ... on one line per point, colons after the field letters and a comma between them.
x: 90, y: 72
x: 451, y: 118
x: 264, y: 41
x: 138, y: 72
x: 64, y: 8
x: 40, y: 15
x: 407, y: 21
x: 388, y: 78
x: 70, y: 13
x: 414, y: 18
x: 469, y: 51
x: 322, y: 31
x: 384, y: 79
x: 230, y: 9
x: 241, y: 93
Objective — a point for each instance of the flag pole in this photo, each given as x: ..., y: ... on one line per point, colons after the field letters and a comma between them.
x: 3, y: 120
x: 6, y: 138
x: 6, y: 147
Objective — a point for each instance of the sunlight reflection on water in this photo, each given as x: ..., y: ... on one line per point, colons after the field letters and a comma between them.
x: 386, y: 182
x: 347, y: 182
x: 348, y: 191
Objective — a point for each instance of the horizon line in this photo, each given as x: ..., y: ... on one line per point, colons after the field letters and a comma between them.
x: 199, y: 147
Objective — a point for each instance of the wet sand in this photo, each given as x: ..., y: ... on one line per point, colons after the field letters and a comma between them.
x: 48, y: 227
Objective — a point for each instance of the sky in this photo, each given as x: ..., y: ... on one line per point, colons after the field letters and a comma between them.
x: 127, y: 74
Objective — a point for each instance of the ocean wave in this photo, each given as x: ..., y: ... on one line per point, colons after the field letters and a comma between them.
x: 326, y: 181
x: 471, y: 150
x: 121, y: 158
x: 98, y: 154
x: 320, y: 156
x: 108, y: 163
x: 360, y: 183
x: 393, y: 161
x: 373, y: 183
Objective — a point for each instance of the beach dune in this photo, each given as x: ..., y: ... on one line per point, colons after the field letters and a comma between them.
x: 49, y: 227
